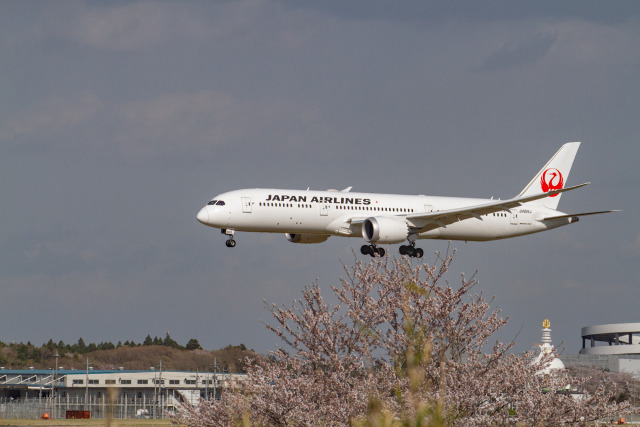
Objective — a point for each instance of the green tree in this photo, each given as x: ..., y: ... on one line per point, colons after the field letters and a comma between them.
x: 147, y: 340
x: 80, y: 347
x: 106, y: 346
x: 170, y: 342
x: 193, y: 344
x: 23, y: 352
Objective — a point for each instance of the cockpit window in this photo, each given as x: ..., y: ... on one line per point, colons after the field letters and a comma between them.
x: 220, y: 203
x: 213, y: 202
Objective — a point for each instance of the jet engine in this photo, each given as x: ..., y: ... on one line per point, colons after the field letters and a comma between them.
x: 306, y: 238
x: 384, y: 230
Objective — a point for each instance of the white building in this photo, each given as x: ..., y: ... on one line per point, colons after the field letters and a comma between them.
x: 153, y: 391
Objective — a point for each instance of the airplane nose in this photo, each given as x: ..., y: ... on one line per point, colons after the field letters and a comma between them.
x: 203, y: 215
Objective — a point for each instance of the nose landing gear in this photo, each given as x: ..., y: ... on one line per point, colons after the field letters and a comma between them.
x: 229, y: 232
x: 372, y: 250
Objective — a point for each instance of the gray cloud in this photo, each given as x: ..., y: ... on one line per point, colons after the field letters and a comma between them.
x: 519, y: 54
x: 52, y: 116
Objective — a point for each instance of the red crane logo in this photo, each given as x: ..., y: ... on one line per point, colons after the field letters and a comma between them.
x: 551, y: 180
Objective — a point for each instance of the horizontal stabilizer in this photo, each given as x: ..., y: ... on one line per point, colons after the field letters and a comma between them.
x: 579, y: 214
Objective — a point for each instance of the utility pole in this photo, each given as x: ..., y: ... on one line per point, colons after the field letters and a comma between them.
x: 155, y: 396
x: 160, y: 387
x: 86, y: 387
x: 53, y: 385
x: 215, y: 377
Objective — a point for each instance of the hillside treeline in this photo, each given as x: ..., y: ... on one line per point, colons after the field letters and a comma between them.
x: 128, y: 355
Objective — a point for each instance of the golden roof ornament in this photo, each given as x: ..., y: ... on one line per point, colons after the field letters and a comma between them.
x: 546, y: 324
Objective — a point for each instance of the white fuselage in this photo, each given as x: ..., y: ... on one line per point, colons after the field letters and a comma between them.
x: 338, y: 213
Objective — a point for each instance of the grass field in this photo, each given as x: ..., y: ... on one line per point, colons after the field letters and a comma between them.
x: 64, y: 423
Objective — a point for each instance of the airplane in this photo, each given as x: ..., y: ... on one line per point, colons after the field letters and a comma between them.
x: 307, y: 216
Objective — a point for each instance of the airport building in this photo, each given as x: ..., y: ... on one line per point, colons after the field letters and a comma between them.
x: 617, y: 338
x: 121, y: 393
x: 611, y: 347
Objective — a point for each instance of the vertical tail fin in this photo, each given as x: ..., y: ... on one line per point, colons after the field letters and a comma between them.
x: 552, y: 176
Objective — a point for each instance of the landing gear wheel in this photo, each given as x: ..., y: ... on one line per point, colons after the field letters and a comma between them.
x: 230, y: 243
x: 411, y: 251
x: 372, y: 250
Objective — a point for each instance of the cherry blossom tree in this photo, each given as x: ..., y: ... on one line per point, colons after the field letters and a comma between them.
x: 401, y: 347
x: 623, y: 385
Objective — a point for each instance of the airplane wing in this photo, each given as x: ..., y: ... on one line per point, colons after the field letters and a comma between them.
x: 430, y: 220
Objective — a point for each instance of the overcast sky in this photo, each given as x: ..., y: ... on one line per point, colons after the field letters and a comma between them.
x: 119, y: 120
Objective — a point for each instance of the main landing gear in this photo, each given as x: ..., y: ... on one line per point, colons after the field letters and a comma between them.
x: 411, y: 251
x: 230, y: 242
x: 372, y: 250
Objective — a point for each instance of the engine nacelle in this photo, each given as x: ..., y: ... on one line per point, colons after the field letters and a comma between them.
x: 384, y: 230
x: 306, y: 238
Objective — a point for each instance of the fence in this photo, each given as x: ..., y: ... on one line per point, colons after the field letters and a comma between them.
x: 122, y: 408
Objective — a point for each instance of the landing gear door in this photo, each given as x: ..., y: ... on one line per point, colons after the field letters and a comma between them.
x: 246, y: 204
